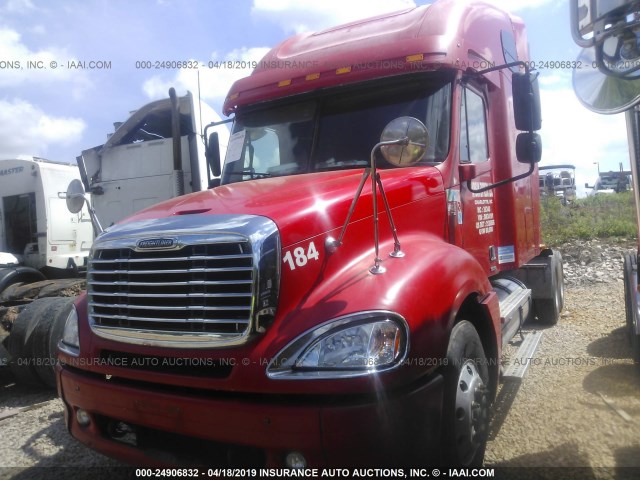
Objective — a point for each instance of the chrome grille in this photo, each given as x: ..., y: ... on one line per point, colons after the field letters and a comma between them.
x: 197, y: 291
x: 197, y: 288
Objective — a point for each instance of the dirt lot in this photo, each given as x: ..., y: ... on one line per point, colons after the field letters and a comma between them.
x: 578, y: 407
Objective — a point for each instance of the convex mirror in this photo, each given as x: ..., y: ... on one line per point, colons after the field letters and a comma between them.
x: 75, y: 196
x: 409, y: 152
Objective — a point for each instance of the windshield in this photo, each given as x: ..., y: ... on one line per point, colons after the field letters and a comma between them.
x: 335, y: 130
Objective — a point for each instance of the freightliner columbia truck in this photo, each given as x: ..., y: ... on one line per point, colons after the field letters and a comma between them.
x: 344, y: 296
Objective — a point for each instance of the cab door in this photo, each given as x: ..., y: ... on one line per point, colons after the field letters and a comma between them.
x: 478, y: 209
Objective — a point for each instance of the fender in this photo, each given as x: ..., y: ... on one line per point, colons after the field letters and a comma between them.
x: 428, y: 287
x: 21, y: 274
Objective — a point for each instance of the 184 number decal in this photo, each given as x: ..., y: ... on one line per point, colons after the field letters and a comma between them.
x: 300, y: 257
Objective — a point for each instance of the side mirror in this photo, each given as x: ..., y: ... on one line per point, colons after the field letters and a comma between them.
x: 75, y: 196
x: 212, y: 153
x: 526, y: 101
x: 528, y: 147
x: 406, y: 153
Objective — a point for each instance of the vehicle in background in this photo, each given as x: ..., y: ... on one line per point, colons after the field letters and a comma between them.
x: 609, y: 33
x: 558, y: 181
x: 43, y: 249
x: 157, y: 154
x: 43, y: 238
x: 144, y: 162
x: 611, y: 182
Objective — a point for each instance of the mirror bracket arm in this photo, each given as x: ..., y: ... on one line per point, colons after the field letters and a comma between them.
x: 502, y: 182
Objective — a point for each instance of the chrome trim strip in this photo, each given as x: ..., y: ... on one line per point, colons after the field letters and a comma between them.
x: 171, y: 295
x: 176, y: 284
x: 186, y: 270
x: 188, y: 308
x: 167, y: 320
x: 172, y: 259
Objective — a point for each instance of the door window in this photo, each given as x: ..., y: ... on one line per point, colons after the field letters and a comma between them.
x: 473, y: 128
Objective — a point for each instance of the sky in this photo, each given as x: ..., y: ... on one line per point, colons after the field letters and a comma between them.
x: 53, y: 108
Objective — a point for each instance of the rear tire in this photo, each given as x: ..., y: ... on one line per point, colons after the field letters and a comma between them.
x: 53, y: 313
x: 466, y: 399
x: 20, y: 345
x: 33, y: 341
x: 548, y: 309
x: 630, y: 304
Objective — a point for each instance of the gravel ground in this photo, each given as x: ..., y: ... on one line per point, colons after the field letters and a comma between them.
x: 559, y: 417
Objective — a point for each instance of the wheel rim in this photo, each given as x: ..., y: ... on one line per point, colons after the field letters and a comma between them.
x: 560, y: 289
x: 471, y: 412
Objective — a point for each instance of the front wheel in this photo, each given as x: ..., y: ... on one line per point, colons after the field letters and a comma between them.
x: 466, y: 397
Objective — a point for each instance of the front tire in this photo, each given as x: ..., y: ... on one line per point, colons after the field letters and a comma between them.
x: 466, y: 397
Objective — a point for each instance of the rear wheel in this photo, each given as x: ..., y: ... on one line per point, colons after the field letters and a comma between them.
x: 53, y: 314
x: 548, y: 309
x: 34, y: 338
x: 20, y: 345
x: 466, y: 397
x: 630, y: 303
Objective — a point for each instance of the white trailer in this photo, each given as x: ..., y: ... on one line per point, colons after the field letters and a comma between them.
x: 36, y: 229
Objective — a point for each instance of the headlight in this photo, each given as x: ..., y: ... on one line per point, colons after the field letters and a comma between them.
x: 70, y: 342
x: 369, y: 345
x: 360, y: 344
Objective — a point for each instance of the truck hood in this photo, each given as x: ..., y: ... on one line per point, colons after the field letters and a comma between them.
x: 302, y: 205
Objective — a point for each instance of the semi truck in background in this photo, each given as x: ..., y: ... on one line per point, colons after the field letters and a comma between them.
x: 558, y: 181
x: 344, y: 296
x: 43, y: 252
x: 608, y: 32
x: 610, y: 182
x: 156, y: 154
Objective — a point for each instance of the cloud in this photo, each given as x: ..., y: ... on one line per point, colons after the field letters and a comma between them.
x: 517, y: 5
x: 215, y: 82
x: 18, y: 6
x: 572, y: 134
x: 295, y: 16
x: 27, y: 130
x: 22, y: 65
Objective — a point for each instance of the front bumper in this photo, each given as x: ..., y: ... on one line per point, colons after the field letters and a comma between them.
x: 202, y: 428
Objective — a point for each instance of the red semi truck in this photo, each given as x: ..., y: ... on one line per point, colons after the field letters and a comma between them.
x: 343, y: 297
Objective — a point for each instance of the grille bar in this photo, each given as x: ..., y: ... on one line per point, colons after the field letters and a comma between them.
x: 118, y: 283
x: 172, y: 295
x: 175, y: 320
x: 169, y: 259
x: 167, y: 308
x: 182, y: 271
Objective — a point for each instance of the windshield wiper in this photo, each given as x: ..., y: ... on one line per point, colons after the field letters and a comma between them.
x: 333, y: 165
x: 251, y: 173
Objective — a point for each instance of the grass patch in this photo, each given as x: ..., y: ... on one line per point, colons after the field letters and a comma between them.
x: 602, y: 216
